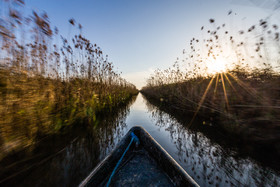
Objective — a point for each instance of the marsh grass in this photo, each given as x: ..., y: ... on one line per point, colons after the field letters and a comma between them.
x: 243, y: 98
x: 49, y: 82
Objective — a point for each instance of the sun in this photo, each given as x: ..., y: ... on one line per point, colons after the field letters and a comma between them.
x: 217, y: 65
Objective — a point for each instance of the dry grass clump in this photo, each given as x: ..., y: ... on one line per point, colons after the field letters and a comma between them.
x: 47, y: 84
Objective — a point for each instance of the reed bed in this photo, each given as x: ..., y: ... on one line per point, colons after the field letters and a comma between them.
x: 229, y: 77
x: 49, y: 82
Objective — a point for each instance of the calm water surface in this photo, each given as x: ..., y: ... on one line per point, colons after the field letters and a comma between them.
x: 206, y: 161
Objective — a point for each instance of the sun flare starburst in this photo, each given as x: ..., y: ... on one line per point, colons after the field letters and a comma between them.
x: 218, y: 65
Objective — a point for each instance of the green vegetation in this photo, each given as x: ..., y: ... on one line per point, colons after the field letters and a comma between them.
x: 230, y: 78
x: 47, y: 84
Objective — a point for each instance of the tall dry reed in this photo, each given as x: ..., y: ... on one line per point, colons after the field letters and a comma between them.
x: 243, y: 95
x: 48, y: 81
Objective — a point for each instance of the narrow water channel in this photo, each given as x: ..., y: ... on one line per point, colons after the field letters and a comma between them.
x: 206, y: 161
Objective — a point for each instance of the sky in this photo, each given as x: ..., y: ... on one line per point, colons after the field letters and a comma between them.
x: 142, y: 35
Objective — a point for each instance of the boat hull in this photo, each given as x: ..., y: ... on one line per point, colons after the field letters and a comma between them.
x: 144, y: 164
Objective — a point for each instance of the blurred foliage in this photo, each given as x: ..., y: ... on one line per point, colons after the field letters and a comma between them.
x: 243, y: 98
x: 49, y: 82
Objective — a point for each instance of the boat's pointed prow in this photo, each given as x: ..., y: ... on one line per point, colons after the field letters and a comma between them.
x: 138, y: 160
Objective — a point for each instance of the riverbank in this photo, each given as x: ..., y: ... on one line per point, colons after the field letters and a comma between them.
x: 48, y: 82
x: 266, y: 155
x: 33, y: 107
x: 84, y: 141
x: 249, y: 117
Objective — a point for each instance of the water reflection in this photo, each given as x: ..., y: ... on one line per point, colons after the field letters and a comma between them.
x: 206, y: 161
x: 67, y: 159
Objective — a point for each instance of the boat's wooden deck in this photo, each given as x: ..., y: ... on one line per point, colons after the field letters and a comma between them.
x: 139, y: 169
x: 144, y: 164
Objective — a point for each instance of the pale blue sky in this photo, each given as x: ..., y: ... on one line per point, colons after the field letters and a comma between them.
x: 142, y: 35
